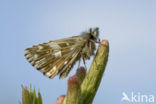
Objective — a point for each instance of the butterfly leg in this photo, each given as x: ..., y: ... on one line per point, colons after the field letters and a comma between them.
x: 94, y: 41
x: 84, y: 62
x: 79, y: 63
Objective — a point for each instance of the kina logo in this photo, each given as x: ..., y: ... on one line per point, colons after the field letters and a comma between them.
x: 137, y: 98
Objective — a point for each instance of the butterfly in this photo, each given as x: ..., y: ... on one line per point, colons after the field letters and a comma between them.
x: 59, y: 56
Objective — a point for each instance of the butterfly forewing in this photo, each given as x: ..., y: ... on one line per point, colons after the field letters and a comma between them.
x: 55, y: 57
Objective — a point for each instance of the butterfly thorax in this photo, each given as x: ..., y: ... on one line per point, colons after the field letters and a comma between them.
x: 88, y: 47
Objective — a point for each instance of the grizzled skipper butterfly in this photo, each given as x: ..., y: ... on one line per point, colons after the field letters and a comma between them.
x: 59, y: 56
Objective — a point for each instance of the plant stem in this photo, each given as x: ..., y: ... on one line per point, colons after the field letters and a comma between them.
x: 92, y: 80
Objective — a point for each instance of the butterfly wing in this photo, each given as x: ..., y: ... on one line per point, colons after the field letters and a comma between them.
x: 55, y: 57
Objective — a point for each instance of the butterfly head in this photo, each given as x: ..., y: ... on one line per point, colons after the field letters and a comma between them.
x: 95, y: 34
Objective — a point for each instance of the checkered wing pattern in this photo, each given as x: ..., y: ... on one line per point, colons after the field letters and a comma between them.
x: 55, y: 57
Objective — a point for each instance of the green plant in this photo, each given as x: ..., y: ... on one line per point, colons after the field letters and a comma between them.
x: 29, y: 96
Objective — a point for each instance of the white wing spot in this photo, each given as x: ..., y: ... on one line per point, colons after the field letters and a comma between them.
x: 43, y: 60
x: 39, y: 63
x: 40, y: 47
x: 54, y: 68
x: 36, y: 66
x: 71, y: 48
x: 73, y: 54
x: 57, y: 54
x: 48, y: 74
x: 26, y: 52
x: 67, y: 44
x: 65, y: 62
x: 30, y: 59
x: 51, y: 71
x: 42, y: 70
x: 28, y: 55
x: 55, y: 46
x: 32, y: 62
x: 35, y: 56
